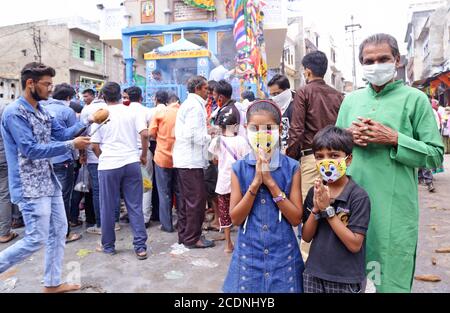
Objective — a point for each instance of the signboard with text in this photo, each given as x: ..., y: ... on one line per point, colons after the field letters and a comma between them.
x: 183, y: 12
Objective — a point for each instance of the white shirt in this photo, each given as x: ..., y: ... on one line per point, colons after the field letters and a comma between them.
x: 87, y: 111
x: 218, y: 73
x: 239, y: 146
x: 118, y: 138
x: 242, y: 117
x: 146, y: 113
x: 191, y: 136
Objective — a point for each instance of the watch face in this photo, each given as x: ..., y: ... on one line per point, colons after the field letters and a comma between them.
x: 330, y: 211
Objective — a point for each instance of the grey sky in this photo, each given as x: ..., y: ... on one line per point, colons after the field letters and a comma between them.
x: 329, y: 16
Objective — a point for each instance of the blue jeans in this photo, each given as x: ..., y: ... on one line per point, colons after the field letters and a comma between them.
x: 45, y: 224
x: 128, y: 179
x: 65, y: 173
x: 93, y: 173
x: 167, y: 187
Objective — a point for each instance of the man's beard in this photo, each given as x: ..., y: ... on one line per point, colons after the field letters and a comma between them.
x: 36, y: 96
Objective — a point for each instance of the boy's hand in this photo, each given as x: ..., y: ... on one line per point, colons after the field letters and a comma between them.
x: 321, y: 195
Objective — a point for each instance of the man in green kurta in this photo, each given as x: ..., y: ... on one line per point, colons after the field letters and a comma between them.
x: 395, y: 132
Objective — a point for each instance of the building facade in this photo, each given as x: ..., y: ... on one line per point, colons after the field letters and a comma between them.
x: 145, y: 25
x: 71, y: 46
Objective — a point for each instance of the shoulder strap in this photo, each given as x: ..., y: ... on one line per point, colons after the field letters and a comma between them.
x: 230, y: 151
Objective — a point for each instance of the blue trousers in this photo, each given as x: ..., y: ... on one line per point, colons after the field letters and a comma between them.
x: 45, y: 224
x: 166, y: 179
x: 93, y: 173
x: 128, y: 179
x: 65, y: 173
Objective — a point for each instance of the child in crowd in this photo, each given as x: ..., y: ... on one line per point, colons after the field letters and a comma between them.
x: 339, y: 220
x: 227, y: 148
x: 266, y: 202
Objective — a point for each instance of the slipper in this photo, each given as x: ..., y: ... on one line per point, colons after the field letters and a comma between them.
x: 205, y: 243
x: 209, y: 227
x: 77, y: 224
x: 12, y: 235
x: 73, y: 237
x: 100, y: 249
x: 141, y: 255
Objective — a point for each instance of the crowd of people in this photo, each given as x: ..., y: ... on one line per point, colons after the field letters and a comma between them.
x: 344, y: 170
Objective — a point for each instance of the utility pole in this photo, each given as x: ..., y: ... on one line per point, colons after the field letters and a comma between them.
x: 353, y: 28
x: 37, y: 41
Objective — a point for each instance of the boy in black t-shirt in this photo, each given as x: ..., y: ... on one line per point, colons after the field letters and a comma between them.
x: 336, y: 219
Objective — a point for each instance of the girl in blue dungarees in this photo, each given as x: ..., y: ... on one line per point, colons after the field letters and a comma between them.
x: 266, y: 202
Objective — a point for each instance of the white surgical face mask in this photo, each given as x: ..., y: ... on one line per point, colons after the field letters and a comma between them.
x: 283, y: 100
x: 379, y: 74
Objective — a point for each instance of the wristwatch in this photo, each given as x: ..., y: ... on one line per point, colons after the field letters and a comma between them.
x: 330, y: 212
x: 280, y: 198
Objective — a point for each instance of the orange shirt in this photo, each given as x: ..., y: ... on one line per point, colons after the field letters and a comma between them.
x: 162, y: 128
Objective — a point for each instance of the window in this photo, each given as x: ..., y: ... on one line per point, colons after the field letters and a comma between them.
x: 333, y: 55
x: 93, y: 55
x: 78, y: 50
x: 98, y: 56
x: 82, y: 53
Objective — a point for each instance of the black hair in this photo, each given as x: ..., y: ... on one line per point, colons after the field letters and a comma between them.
x: 196, y: 82
x: 134, y: 93
x: 281, y: 81
x: 249, y: 95
x: 162, y: 96
x: 379, y: 39
x: 173, y: 98
x: 63, y: 91
x: 35, y: 71
x: 89, y: 91
x: 333, y: 138
x: 223, y: 88
x: 316, y: 62
x: 267, y: 106
x: 156, y: 72
x: 76, y: 106
x: 212, y: 85
x: 111, y: 92
x: 227, y: 116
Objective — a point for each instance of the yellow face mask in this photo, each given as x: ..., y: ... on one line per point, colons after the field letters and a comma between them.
x: 332, y: 170
x: 266, y: 140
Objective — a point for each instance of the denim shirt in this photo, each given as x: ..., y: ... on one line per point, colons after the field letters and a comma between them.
x: 66, y: 117
x: 27, y: 135
x: 2, y: 147
x: 266, y: 257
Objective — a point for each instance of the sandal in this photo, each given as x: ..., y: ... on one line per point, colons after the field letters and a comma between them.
x: 205, y: 243
x: 141, y: 255
x: 73, y: 237
x: 17, y: 223
x: 12, y: 235
x: 76, y: 224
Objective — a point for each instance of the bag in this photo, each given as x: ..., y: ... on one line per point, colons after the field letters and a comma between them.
x: 146, y: 179
x: 230, y: 151
x: 82, y: 184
